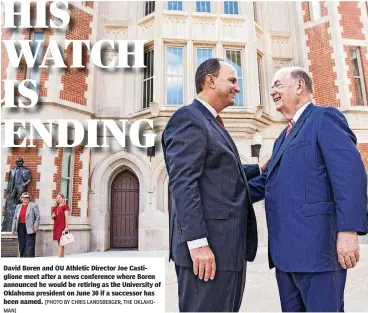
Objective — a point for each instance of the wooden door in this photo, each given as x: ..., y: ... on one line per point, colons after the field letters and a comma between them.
x: 124, y: 211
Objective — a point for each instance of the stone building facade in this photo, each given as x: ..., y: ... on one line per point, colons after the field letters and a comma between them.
x: 119, y: 197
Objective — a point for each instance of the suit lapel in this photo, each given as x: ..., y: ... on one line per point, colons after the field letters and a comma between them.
x: 28, y: 209
x: 294, y: 131
x: 223, y: 132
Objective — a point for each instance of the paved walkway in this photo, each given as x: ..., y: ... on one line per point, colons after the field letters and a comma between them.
x: 261, y: 293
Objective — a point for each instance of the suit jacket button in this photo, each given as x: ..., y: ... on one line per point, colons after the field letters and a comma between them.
x: 267, y: 189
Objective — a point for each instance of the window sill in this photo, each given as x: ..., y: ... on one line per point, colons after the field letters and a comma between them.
x: 204, y: 15
x: 236, y: 17
x: 175, y: 12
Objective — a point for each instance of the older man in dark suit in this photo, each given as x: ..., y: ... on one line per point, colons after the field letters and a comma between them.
x: 315, y: 195
x: 213, y: 228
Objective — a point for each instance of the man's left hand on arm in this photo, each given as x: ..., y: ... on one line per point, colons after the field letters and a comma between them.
x: 348, y: 249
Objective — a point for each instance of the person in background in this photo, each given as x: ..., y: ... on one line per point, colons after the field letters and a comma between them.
x: 26, y: 222
x: 60, y: 215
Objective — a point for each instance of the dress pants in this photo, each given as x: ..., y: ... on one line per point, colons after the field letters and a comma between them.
x: 27, y: 242
x: 223, y: 294
x: 312, y: 292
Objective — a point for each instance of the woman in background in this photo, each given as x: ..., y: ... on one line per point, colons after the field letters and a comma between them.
x: 26, y: 222
x: 60, y: 215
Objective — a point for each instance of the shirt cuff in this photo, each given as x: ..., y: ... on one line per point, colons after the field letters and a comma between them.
x: 260, y: 171
x: 197, y: 243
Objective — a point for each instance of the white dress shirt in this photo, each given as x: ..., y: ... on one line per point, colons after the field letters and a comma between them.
x: 300, y: 112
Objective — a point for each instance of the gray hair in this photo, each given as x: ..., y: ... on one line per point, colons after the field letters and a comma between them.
x: 296, y: 73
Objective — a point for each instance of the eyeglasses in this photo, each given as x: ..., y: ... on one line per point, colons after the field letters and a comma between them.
x: 25, y: 197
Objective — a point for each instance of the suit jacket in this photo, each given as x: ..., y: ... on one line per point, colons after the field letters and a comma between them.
x: 315, y: 186
x: 25, y: 175
x: 32, y: 217
x: 210, y: 196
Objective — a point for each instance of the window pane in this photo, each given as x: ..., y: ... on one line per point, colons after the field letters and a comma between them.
x: 65, y: 171
x: 231, y: 7
x: 239, y: 96
x: 357, y: 80
x: 175, y: 75
x: 148, y: 78
x: 255, y: 9
x: 175, y: 5
x: 203, y: 54
x: 260, y: 77
x: 358, y: 91
x: 355, y: 64
x: 226, y: 7
x: 234, y: 58
x: 149, y: 7
x: 203, y: 6
x: 64, y: 189
x: 35, y: 71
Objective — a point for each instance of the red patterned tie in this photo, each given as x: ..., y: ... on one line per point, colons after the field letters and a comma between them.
x: 290, y: 126
x: 219, y: 119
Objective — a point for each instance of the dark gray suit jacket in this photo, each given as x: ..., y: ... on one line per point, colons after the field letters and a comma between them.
x: 209, y: 190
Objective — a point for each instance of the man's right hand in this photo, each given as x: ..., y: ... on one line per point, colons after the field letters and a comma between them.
x: 204, y: 264
x: 263, y: 167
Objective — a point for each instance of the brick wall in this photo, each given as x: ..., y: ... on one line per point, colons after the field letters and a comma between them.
x: 5, y: 35
x: 350, y: 20
x: 305, y: 8
x: 31, y: 161
x: 363, y: 57
x: 363, y: 148
x: 74, y: 79
x: 77, y: 181
x: 324, y: 10
x: 58, y: 162
x: 320, y: 54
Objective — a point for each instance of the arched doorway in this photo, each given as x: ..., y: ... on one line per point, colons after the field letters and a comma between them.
x: 124, y: 211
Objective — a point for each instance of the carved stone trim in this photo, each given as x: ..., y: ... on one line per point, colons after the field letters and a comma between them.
x: 259, y: 32
x: 110, y: 29
x: 280, y: 39
x: 175, y: 19
x: 204, y: 20
x: 147, y: 23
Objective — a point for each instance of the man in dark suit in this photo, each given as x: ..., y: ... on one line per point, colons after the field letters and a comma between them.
x: 213, y: 228
x: 315, y: 196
